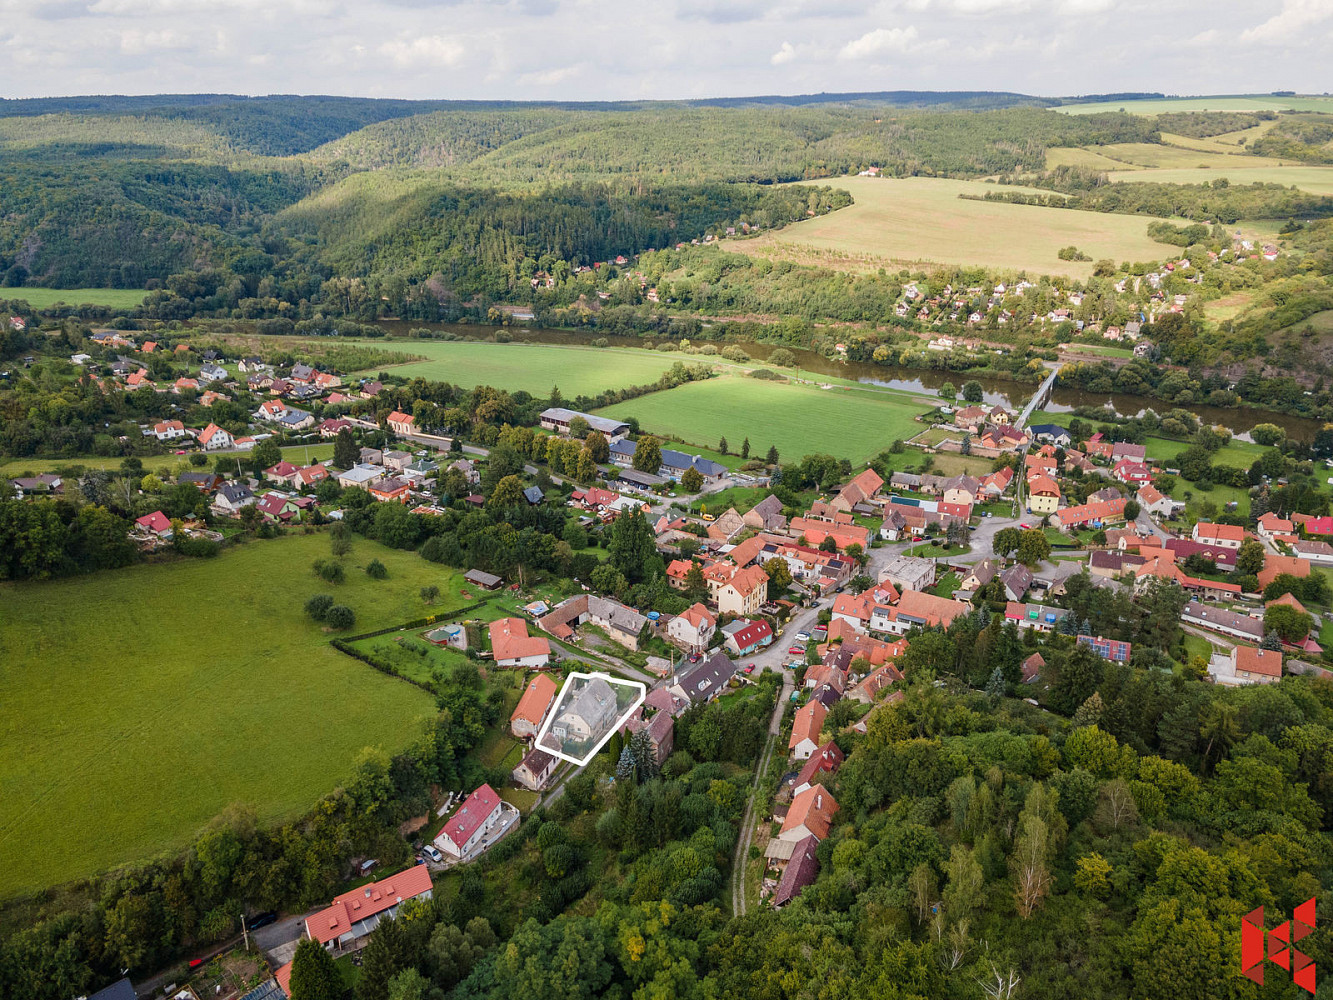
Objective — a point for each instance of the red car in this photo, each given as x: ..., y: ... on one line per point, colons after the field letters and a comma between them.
x: 796, y: 650
x: 749, y: 669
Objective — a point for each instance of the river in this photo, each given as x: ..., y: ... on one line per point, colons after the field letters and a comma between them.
x: 997, y: 392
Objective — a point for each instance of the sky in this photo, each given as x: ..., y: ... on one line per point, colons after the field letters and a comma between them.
x: 626, y: 50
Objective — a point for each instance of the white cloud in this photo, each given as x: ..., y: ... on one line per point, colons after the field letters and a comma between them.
x: 135, y: 42
x: 1295, y: 17
x: 551, y: 77
x: 607, y: 49
x: 424, y: 51
x: 881, y: 41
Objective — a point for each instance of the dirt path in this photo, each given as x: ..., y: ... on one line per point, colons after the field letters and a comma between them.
x: 739, y: 904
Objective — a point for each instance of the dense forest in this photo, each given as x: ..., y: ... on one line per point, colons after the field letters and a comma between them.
x: 127, y: 193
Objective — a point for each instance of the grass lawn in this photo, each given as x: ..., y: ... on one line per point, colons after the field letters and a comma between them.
x: 941, y: 551
x: 15, y: 467
x: 521, y: 799
x: 922, y: 221
x: 1197, y: 646
x: 947, y: 585
x: 155, y: 697
x: 1110, y: 352
x: 534, y: 367
x: 44, y: 298
x: 1240, y: 454
x: 800, y: 420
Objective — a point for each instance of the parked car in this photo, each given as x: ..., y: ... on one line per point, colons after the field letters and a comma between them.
x: 749, y: 668
x: 796, y: 650
x: 262, y: 920
x: 802, y: 636
x: 432, y: 853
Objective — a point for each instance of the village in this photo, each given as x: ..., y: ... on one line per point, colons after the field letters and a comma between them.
x: 829, y: 597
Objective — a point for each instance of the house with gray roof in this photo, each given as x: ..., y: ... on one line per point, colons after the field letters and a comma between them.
x: 704, y: 681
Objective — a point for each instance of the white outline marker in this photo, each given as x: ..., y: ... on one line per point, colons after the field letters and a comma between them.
x: 620, y: 722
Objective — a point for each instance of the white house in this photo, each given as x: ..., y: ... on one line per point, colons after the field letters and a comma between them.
x: 169, y: 430
x: 360, y: 475
x: 213, y: 438
x: 693, y: 628
x: 467, y: 827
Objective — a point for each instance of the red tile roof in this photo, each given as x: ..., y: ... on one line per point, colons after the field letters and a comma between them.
x: 812, y: 809
x: 827, y: 759
x: 349, y: 908
x: 510, y: 640
x: 536, y: 700
x: 808, y: 724
x: 156, y: 522
x: 471, y: 815
x: 1259, y: 661
x: 1206, y: 531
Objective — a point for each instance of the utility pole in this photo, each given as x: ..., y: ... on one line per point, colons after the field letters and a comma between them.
x: 245, y: 931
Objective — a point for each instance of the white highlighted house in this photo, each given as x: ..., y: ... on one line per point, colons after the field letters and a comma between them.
x: 589, y: 710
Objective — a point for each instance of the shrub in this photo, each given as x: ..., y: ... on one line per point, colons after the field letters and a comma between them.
x: 317, y: 607
x: 340, y: 616
x: 376, y: 570
x: 330, y: 572
x: 198, y: 459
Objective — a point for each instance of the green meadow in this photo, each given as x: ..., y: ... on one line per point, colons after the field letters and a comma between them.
x: 141, y: 703
x: 798, y: 419
x: 170, y: 464
x: 44, y: 298
x: 532, y: 367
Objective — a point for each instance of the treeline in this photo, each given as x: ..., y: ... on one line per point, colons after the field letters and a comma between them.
x: 1203, y: 124
x: 1216, y: 201
x: 1308, y: 138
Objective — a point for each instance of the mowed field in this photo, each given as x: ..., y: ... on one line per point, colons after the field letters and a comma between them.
x: 170, y: 464
x: 1232, y: 102
x: 921, y: 220
x: 44, y: 298
x: 141, y: 703
x: 534, y: 367
x: 799, y: 419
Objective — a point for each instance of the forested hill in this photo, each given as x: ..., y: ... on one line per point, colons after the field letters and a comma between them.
x: 129, y: 192
x: 760, y: 144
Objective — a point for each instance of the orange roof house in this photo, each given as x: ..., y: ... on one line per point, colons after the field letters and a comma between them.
x: 354, y: 914
x: 1257, y: 665
x: 1275, y: 566
x: 811, y: 813
x: 1219, y: 534
x: 805, y: 729
x: 747, y: 551
x: 533, y: 706
x: 513, y: 647
x: 816, y: 531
